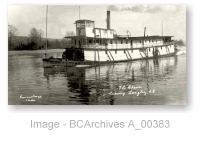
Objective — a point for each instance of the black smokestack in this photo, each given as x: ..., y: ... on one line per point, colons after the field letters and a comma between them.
x: 108, y: 20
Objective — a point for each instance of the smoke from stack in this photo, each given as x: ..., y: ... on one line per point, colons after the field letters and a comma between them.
x: 144, y: 8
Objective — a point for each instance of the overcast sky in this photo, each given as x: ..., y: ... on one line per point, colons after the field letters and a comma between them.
x: 123, y: 17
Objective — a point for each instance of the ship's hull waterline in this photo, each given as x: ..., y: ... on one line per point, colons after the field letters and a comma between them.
x: 95, y: 57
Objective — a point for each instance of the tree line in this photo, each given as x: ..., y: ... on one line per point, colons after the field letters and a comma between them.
x: 33, y: 41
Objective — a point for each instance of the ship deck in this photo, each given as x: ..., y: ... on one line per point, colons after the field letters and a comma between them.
x: 53, y: 62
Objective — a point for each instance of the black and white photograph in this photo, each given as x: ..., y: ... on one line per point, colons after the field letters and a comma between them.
x: 97, y: 54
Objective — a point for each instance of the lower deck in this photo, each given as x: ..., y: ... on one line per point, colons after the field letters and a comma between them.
x: 98, y: 57
x: 120, y: 54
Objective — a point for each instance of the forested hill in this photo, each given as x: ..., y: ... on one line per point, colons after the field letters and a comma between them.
x: 27, y: 43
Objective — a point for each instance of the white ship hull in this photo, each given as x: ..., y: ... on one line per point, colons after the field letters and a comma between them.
x: 126, y: 54
x: 98, y: 56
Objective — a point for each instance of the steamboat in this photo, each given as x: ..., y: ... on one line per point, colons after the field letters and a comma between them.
x: 92, y: 46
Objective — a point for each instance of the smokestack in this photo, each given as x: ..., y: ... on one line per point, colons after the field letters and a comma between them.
x: 108, y: 20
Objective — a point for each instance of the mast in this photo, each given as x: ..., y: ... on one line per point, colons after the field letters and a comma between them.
x: 162, y: 28
x: 79, y: 12
x: 46, y: 31
x: 144, y: 36
x: 144, y: 31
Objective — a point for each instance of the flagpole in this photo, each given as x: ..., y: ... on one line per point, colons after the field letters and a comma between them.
x: 162, y: 28
x: 79, y: 12
x: 46, y: 31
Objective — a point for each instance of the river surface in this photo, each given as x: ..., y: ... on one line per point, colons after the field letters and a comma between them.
x: 144, y: 82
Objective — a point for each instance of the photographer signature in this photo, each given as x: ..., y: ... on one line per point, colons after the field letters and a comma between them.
x: 31, y: 98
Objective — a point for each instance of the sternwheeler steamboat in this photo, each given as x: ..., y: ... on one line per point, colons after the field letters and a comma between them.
x: 93, y: 46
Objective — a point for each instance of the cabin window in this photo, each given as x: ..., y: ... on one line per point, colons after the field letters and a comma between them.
x: 149, y: 49
x: 79, y: 43
x: 115, y: 51
x: 131, y: 43
x: 104, y: 41
x: 121, y: 41
x: 90, y: 41
x: 75, y: 42
x: 126, y: 41
x: 111, y: 41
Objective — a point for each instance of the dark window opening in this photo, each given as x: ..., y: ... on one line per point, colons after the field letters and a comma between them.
x: 90, y: 41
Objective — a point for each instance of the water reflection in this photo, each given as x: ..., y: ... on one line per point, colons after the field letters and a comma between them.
x: 117, y: 83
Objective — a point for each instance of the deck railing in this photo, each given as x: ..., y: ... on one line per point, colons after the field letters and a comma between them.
x: 122, y: 46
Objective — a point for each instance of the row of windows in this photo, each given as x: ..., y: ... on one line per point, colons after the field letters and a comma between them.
x: 150, y: 49
x: 83, y: 24
x: 103, y: 41
x: 104, y: 31
x: 132, y: 41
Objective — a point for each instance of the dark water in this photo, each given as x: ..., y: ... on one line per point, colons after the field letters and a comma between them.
x: 147, y: 82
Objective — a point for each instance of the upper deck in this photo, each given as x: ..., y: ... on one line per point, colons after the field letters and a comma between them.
x: 89, y: 35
